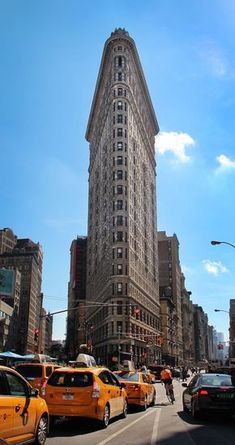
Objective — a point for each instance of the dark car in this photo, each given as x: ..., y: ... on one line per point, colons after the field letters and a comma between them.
x: 176, y: 372
x: 207, y: 393
x: 156, y: 371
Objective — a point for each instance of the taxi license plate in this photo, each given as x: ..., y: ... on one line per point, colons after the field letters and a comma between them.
x: 67, y: 396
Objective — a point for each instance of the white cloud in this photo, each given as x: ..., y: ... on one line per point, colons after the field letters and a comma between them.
x: 174, y: 142
x: 214, y: 267
x: 225, y: 162
x: 215, y: 59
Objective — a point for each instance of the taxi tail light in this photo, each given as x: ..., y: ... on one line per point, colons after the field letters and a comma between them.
x: 203, y: 392
x: 95, y: 390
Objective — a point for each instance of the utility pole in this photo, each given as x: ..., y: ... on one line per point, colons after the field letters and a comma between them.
x: 119, y: 345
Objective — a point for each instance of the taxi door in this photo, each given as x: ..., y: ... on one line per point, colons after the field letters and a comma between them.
x: 110, y: 391
x: 147, y: 387
x: 23, y: 407
x: 6, y: 410
x: 119, y: 400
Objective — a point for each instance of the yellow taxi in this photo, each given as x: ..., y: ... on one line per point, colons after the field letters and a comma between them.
x: 36, y: 374
x: 24, y: 415
x: 139, y: 388
x: 94, y: 393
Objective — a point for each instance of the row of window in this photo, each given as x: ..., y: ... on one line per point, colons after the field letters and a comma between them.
x: 119, y: 62
x: 120, y: 236
x: 120, y: 145
x: 119, y: 190
x: 119, y: 220
x: 118, y: 160
x: 118, y: 205
x: 119, y: 105
x: 119, y: 269
x: 119, y: 175
x: 119, y: 252
x: 120, y: 119
x: 119, y: 92
x: 119, y: 132
x: 120, y: 77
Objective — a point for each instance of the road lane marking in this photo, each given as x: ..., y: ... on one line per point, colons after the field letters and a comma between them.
x: 155, y: 427
x: 103, y: 442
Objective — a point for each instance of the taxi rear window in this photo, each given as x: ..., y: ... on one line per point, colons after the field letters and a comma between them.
x: 30, y: 371
x: 132, y: 377
x: 76, y: 379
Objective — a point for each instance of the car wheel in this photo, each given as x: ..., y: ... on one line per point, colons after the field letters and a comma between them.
x: 125, y: 407
x: 41, y: 433
x: 106, y: 417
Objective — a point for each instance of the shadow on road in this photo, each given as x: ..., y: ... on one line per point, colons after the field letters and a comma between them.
x: 73, y: 427
x: 209, y: 419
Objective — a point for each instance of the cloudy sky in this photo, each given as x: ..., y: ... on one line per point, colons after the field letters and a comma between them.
x: 50, y: 56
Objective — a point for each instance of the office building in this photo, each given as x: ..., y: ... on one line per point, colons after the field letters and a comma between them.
x: 122, y: 250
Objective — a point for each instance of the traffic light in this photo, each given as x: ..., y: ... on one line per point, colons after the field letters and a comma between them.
x: 36, y: 333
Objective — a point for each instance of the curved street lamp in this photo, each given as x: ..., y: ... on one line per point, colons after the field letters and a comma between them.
x: 221, y: 310
x: 214, y: 243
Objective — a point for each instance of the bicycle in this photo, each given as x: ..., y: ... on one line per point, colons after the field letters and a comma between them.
x: 170, y: 392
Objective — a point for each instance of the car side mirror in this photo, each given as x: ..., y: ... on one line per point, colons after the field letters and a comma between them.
x: 184, y: 385
x: 34, y: 392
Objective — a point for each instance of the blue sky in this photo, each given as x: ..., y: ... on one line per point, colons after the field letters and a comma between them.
x: 50, y: 56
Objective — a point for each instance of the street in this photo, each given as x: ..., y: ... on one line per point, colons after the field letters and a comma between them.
x: 163, y: 424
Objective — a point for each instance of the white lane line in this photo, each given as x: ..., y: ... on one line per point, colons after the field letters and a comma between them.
x: 155, y: 427
x: 125, y: 428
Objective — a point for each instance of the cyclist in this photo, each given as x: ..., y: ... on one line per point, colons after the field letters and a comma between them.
x: 166, y: 378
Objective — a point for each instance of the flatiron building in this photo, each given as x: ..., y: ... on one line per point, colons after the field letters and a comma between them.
x: 122, y: 250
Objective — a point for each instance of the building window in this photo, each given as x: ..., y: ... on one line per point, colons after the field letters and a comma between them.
x: 119, y: 204
x: 119, y: 174
x: 119, y: 252
x: 119, y: 236
x: 119, y: 118
x: 120, y: 146
x: 119, y: 220
x: 119, y: 307
x: 119, y: 132
x: 119, y: 105
x: 119, y: 288
x: 119, y: 91
x: 119, y: 189
x: 119, y: 269
x: 119, y: 160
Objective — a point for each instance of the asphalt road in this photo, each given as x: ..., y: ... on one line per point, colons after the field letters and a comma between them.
x: 163, y: 424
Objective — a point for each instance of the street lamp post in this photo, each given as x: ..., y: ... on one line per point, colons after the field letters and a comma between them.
x: 230, y: 342
x: 214, y: 243
x: 221, y: 310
